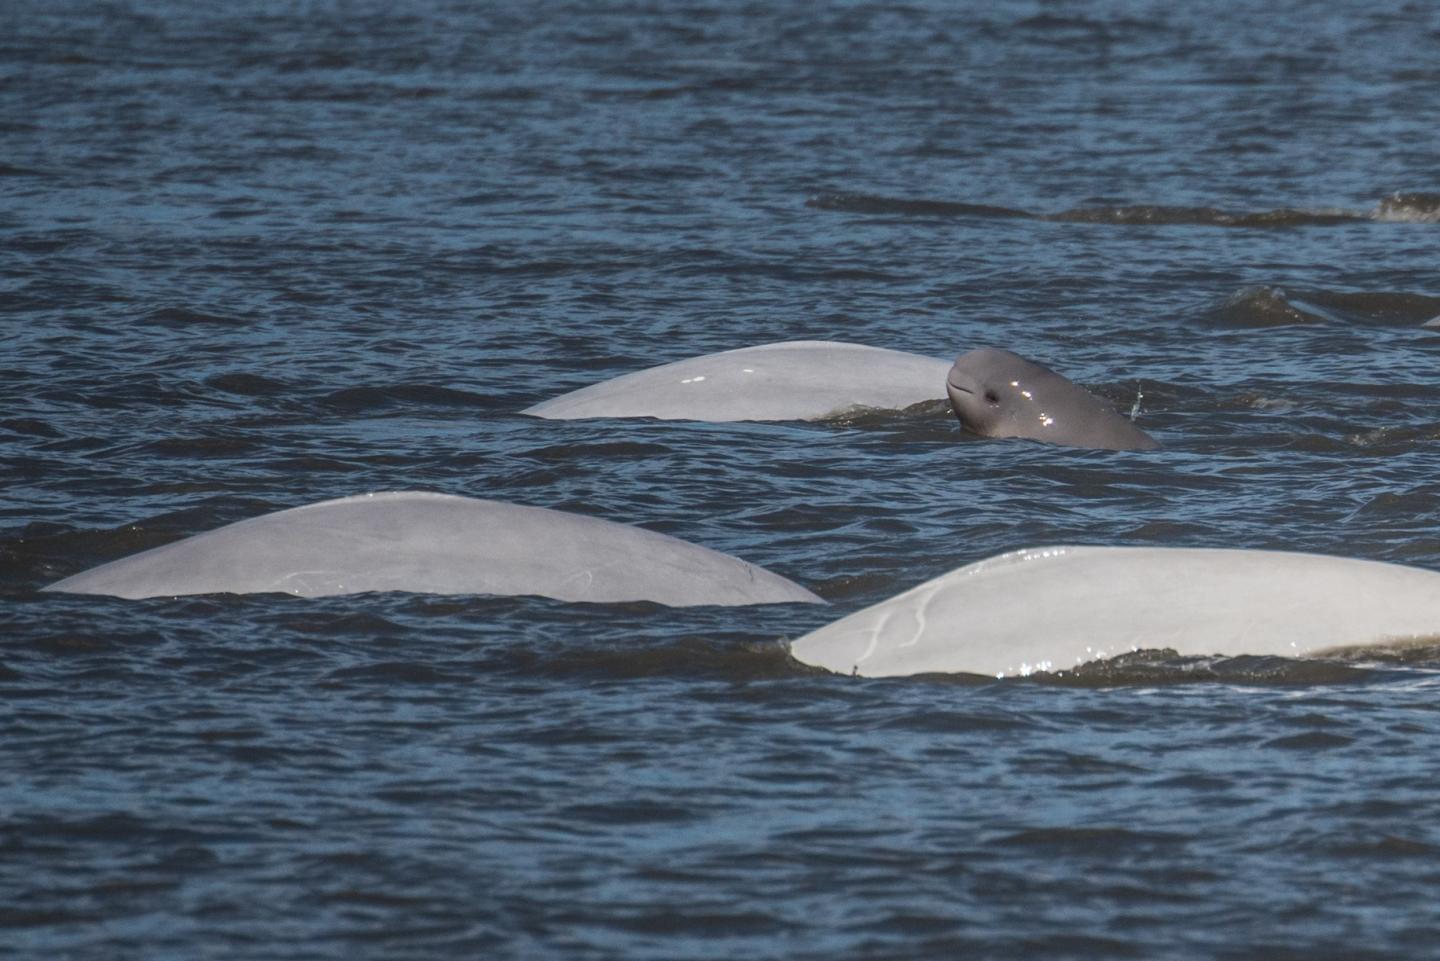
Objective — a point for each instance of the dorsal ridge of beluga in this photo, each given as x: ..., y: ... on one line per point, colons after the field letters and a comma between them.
x: 1056, y: 608
x: 790, y: 380
x: 432, y: 543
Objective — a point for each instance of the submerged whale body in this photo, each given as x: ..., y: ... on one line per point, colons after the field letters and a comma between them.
x: 1051, y: 609
x: 997, y: 393
x: 439, y: 544
x: 790, y: 380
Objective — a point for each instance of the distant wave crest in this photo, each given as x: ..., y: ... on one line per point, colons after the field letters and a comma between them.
x: 1415, y: 208
x: 1398, y: 207
x: 1266, y: 306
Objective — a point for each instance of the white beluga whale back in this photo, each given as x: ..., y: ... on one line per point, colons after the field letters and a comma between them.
x: 792, y: 380
x: 1051, y: 609
x: 997, y: 393
x: 439, y: 544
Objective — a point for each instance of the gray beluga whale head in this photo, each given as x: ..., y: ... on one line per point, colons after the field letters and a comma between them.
x: 996, y: 393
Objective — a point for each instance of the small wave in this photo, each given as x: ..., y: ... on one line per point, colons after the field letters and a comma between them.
x: 1260, y: 306
x: 1167, y: 667
x: 1159, y: 215
x: 631, y: 812
x: 869, y: 204
x: 715, y: 85
x: 358, y: 399
x: 1414, y: 208
x: 735, y: 659
x: 1380, y: 307
x: 1399, y: 207
x: 395, y: 672
x: 1387, y: 847
x: 342, y: 623
x: 7, y: 170
x: 1309, y: 741
x: 218, y: 445
x: 1265, y: 306
x: 932, y: 721
x: 1107, y: 840
x: 182, y: 317
x: 859, y: 415
x: 29, y: 427
x: 1384, y: 439
x: 1344, y: 665
x: 789, y: 273
x: 245, y: 385
x: 1421, y: 652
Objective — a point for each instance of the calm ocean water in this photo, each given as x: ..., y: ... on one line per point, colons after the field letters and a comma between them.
x: 271, y: 253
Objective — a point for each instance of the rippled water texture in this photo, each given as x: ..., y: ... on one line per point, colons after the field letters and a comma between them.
x: 262, y: 254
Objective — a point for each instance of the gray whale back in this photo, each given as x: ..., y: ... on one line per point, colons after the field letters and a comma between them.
x: 1053, y: 608
x: 790, y: 380
x: 438, y: 544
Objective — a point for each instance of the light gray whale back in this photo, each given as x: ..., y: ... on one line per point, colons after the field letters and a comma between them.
x: 792, y: 380
x: 438, y: 544
x: 997, y: 393
x: 1050, y: 609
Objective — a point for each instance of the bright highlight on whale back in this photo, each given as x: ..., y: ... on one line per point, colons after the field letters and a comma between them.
x: 996, y: 393
x: 792, y: 380
x: 439, y: 544
x: 1051, y: 609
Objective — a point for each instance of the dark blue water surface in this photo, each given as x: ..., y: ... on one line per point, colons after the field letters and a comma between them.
x: 260, y: 254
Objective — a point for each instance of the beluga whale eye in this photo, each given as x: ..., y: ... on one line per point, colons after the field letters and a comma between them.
x: 997, y: 393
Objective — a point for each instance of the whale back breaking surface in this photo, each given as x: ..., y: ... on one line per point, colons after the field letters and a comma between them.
x: 997, y: 393
x: 791, y: 380
x: 1054, y: 608
x: 439, y: 544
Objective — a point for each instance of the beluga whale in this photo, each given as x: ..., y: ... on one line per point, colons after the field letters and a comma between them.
x: 1055, y: 608
x: 993, y: 392
x: 789, y: 380
x: 996, y: 393
x: 439, y: 544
